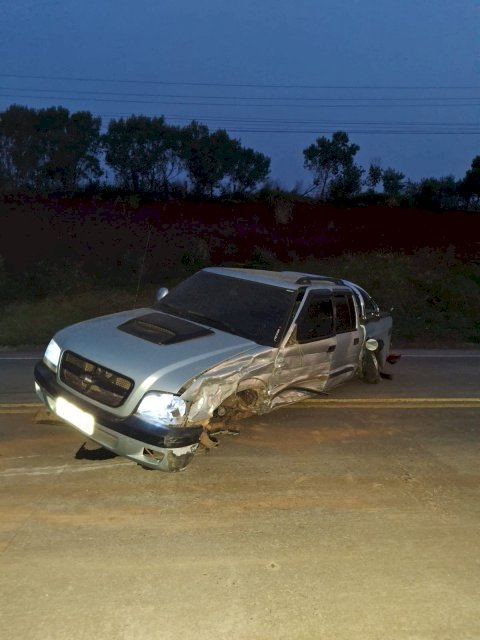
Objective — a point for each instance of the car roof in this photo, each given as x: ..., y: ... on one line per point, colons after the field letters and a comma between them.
x: 289, y: 279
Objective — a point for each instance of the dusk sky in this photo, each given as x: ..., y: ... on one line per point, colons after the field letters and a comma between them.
x: 402, y: 78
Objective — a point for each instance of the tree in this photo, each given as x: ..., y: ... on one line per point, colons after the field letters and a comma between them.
x: 448, y: 190
x: 330, y: 161
x: 434, y: 193
x: 144, y: 153
x: 70, y: 148
x: 248, y: 168
x: 374, y: 175
x: 347, y: 184
x: 19, y: 148
x: 48, y: 148
x: 470, y: 185
x: 169, y: 163
x: 392, y: 182
x: 208, y: 157
x: 211, y: 158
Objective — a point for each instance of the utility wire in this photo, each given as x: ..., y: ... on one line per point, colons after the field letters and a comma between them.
x: 357, y: 131
x: 230, y: 97
x: 280, y: 121
x: 270, y: 126
x: 226, y: 104
x: 331, y: 127
x: 245, y: 85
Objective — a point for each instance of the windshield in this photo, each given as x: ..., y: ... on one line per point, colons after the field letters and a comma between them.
x: 249, y: 309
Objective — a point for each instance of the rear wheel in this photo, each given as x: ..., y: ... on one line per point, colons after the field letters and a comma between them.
x: 369, y: 369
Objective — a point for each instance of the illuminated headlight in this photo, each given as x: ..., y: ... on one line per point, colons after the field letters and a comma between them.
x: 52, y: 355
x: 162, y: 409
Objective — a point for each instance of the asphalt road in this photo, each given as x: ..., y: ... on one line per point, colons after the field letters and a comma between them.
x: 16, y: 375
x: 351, y: 517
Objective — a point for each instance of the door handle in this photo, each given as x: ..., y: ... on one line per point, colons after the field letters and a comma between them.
x: 356, y: 341
x: 332, y: 348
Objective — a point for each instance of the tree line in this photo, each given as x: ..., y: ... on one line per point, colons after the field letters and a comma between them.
x: 52, y: 149
x: 338, y: 178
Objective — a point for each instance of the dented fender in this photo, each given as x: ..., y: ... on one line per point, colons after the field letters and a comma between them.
x: 209, y: 391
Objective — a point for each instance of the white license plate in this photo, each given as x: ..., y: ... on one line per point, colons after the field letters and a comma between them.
x: 80, y: 419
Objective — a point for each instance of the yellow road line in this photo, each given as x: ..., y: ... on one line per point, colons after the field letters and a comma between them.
x: 392, y: 403
x: 325, y: 403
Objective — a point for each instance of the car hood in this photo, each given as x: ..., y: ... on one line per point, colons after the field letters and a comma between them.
x: 118, y: 342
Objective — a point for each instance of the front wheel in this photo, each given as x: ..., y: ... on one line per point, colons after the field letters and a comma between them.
x: 369, y: 369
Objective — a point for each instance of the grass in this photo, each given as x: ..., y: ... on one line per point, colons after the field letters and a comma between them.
x: 35, y: 322
x: 435, y: 298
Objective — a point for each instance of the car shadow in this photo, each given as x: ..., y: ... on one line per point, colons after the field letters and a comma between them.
x: 99, y: 453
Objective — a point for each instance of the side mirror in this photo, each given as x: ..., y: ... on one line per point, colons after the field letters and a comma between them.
x: 161, y: 293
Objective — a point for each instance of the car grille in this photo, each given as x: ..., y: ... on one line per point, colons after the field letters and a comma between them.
x: 94, y: 381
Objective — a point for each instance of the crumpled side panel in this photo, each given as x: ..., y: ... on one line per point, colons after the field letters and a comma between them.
x: 210, y: 390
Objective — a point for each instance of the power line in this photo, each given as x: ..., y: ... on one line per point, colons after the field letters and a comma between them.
x: 230, y: 97
x: 245, y: 85
x: 357, y: 132
x: 264, y: 125
x: 311, y: 122
x: 261, y: 106
x: 325, y: 127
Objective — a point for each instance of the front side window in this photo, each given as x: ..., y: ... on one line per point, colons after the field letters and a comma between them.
x: 316, y: 319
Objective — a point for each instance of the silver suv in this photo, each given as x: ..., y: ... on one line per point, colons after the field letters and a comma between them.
x: 153, y: 383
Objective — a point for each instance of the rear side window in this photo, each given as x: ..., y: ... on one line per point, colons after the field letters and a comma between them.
x: 316, y: 320
x: 344, y: 313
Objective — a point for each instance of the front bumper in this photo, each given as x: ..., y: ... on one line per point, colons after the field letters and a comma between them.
x: 164, y: 448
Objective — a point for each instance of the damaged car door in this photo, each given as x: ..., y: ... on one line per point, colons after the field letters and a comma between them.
x: 306, y: 357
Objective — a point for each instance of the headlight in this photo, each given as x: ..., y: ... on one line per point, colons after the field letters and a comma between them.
x: 52, y: 355
x: 162, y: 409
